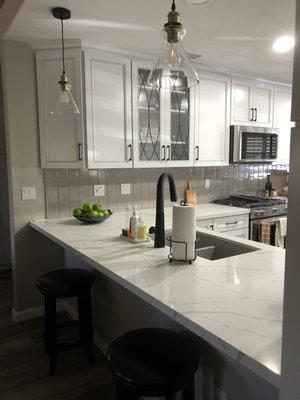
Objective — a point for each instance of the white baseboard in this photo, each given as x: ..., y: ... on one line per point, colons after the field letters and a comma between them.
x: 19, y: 316
x: 30, y: 313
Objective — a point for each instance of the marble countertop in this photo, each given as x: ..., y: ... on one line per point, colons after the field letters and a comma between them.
x: 235, y: 304
x: 210, y: 210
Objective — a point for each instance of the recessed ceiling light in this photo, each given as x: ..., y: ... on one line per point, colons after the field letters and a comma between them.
x: 283, y: 44
x: 198, y: 2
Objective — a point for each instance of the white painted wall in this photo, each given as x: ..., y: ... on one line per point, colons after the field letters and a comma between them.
x: 32, y: 254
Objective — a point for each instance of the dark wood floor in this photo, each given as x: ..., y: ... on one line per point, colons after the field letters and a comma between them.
x: 24, y: 368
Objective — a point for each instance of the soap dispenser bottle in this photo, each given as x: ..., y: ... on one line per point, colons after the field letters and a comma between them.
x: 134, y: 222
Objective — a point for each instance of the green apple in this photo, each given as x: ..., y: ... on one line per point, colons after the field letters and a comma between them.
x: 87, y: 207
x: 97, y: 207
x: 77, y: 212
x: 106, y: 212
x: 93, y: 214
x: 100, y: 214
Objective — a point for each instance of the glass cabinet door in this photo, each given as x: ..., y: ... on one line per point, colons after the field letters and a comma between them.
x: 149, y: 135
x: 180, y: 124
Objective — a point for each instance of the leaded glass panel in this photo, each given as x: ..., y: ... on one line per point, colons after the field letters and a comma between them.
x: 149, y: 118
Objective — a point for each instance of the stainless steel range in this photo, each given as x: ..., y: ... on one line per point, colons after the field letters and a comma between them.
x: 260, y: 208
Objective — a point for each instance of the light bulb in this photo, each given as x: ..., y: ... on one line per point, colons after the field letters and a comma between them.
x: 64, y: 102
x: 173, y: 58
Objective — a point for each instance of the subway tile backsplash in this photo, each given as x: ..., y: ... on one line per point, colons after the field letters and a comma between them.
x: 68, y: 189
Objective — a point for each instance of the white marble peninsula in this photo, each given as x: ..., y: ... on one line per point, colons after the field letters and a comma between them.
x: 234, y: 304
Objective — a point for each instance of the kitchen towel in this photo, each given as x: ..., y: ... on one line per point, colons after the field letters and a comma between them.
x: 184, y: 230
x: 280, y: 232
x: 265, y: 231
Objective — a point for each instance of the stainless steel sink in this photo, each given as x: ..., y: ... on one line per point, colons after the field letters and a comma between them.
x: 214, y: 248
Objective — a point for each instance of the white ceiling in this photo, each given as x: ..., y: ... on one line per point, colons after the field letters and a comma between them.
x: 234, y: 35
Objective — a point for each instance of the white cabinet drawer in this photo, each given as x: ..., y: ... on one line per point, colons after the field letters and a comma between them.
x: 205, y: 223
x: 242, y: 233
x: 231, y: 223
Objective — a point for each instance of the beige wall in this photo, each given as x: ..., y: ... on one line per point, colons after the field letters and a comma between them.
x: 32, y: 253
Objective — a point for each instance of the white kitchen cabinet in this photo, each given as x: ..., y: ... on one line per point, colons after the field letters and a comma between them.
x: 241, y: 233
x: 282, y: 120
x: 205, y: 223
x: 231, y: 223
x: 61, y: 136
x: 108, y: 110
x: 212, y: 119
x: 251, y: 102
x: 148, y: 120
x: 163, y: 123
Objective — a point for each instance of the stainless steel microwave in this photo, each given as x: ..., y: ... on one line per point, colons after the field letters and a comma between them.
x: 253, y: 144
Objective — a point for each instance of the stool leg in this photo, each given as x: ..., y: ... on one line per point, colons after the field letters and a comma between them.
x: 86, y: 329
x: 189, y: 391
x: 50, y: 334
x: 170, y: 396
x: 124, y: 393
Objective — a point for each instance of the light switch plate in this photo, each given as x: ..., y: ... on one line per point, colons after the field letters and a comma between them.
x: 28, y: 193
x: 207, y: 183
x: 99, y: 190
x: 125, y: 188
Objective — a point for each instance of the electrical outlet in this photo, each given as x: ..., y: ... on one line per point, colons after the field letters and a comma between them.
x: 99, y: 190
x: 207, y: 183
x: 125, y: 188
x: 28, y: 193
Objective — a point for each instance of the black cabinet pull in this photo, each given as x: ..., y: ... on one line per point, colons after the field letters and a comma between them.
x: 130, y: 152
x: 169, y: 153
x: 163, y: 148
x: 252, y: 114
x: 197, y: 153
x: 79, y: 151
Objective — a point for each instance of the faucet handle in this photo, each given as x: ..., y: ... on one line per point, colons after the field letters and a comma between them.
x: 152, y: 230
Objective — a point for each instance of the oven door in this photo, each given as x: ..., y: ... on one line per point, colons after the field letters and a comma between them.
x: 253, y: 144
x: 255, y: 229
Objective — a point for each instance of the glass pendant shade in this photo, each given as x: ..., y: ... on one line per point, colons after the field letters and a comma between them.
x: 64, y: 102
x: 173, y: 67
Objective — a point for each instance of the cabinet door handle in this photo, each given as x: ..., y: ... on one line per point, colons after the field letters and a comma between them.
x: 130, y: 152
x: 163, y: 152
x: 168, y: 153
x: 79, y: 151
x: 231, y: 223
x: 252, y: 114
x: 255, y: 114
x: 197, y: 153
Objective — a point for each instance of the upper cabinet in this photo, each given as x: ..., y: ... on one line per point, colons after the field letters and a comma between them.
x: 251, y: 103
x: 212, y: 119
x: 108, y: 110
x: 125, y: 123
x: 282, y: 120
x: 162, y: 128
x: 61, y: 136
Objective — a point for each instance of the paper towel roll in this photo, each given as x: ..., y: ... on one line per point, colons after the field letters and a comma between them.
x: 184, y: 229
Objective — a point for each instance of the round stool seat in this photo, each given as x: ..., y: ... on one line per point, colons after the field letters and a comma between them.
x: 153, y: 360
x: 67, y: 282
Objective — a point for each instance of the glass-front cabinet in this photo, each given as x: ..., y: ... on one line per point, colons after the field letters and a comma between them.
x: 162, y: 128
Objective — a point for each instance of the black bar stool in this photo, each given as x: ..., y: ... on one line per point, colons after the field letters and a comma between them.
x: 153, y: 362
x: 65, y: 283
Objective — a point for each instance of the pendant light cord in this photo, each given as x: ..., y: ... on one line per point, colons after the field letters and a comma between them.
x: 63, y: 46
x: 173, y: 5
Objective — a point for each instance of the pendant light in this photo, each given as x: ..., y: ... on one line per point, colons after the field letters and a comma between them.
x: 64, y: 102
x: 173, y: 68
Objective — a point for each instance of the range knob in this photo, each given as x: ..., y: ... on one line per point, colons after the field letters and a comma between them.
x: 275, y: 210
